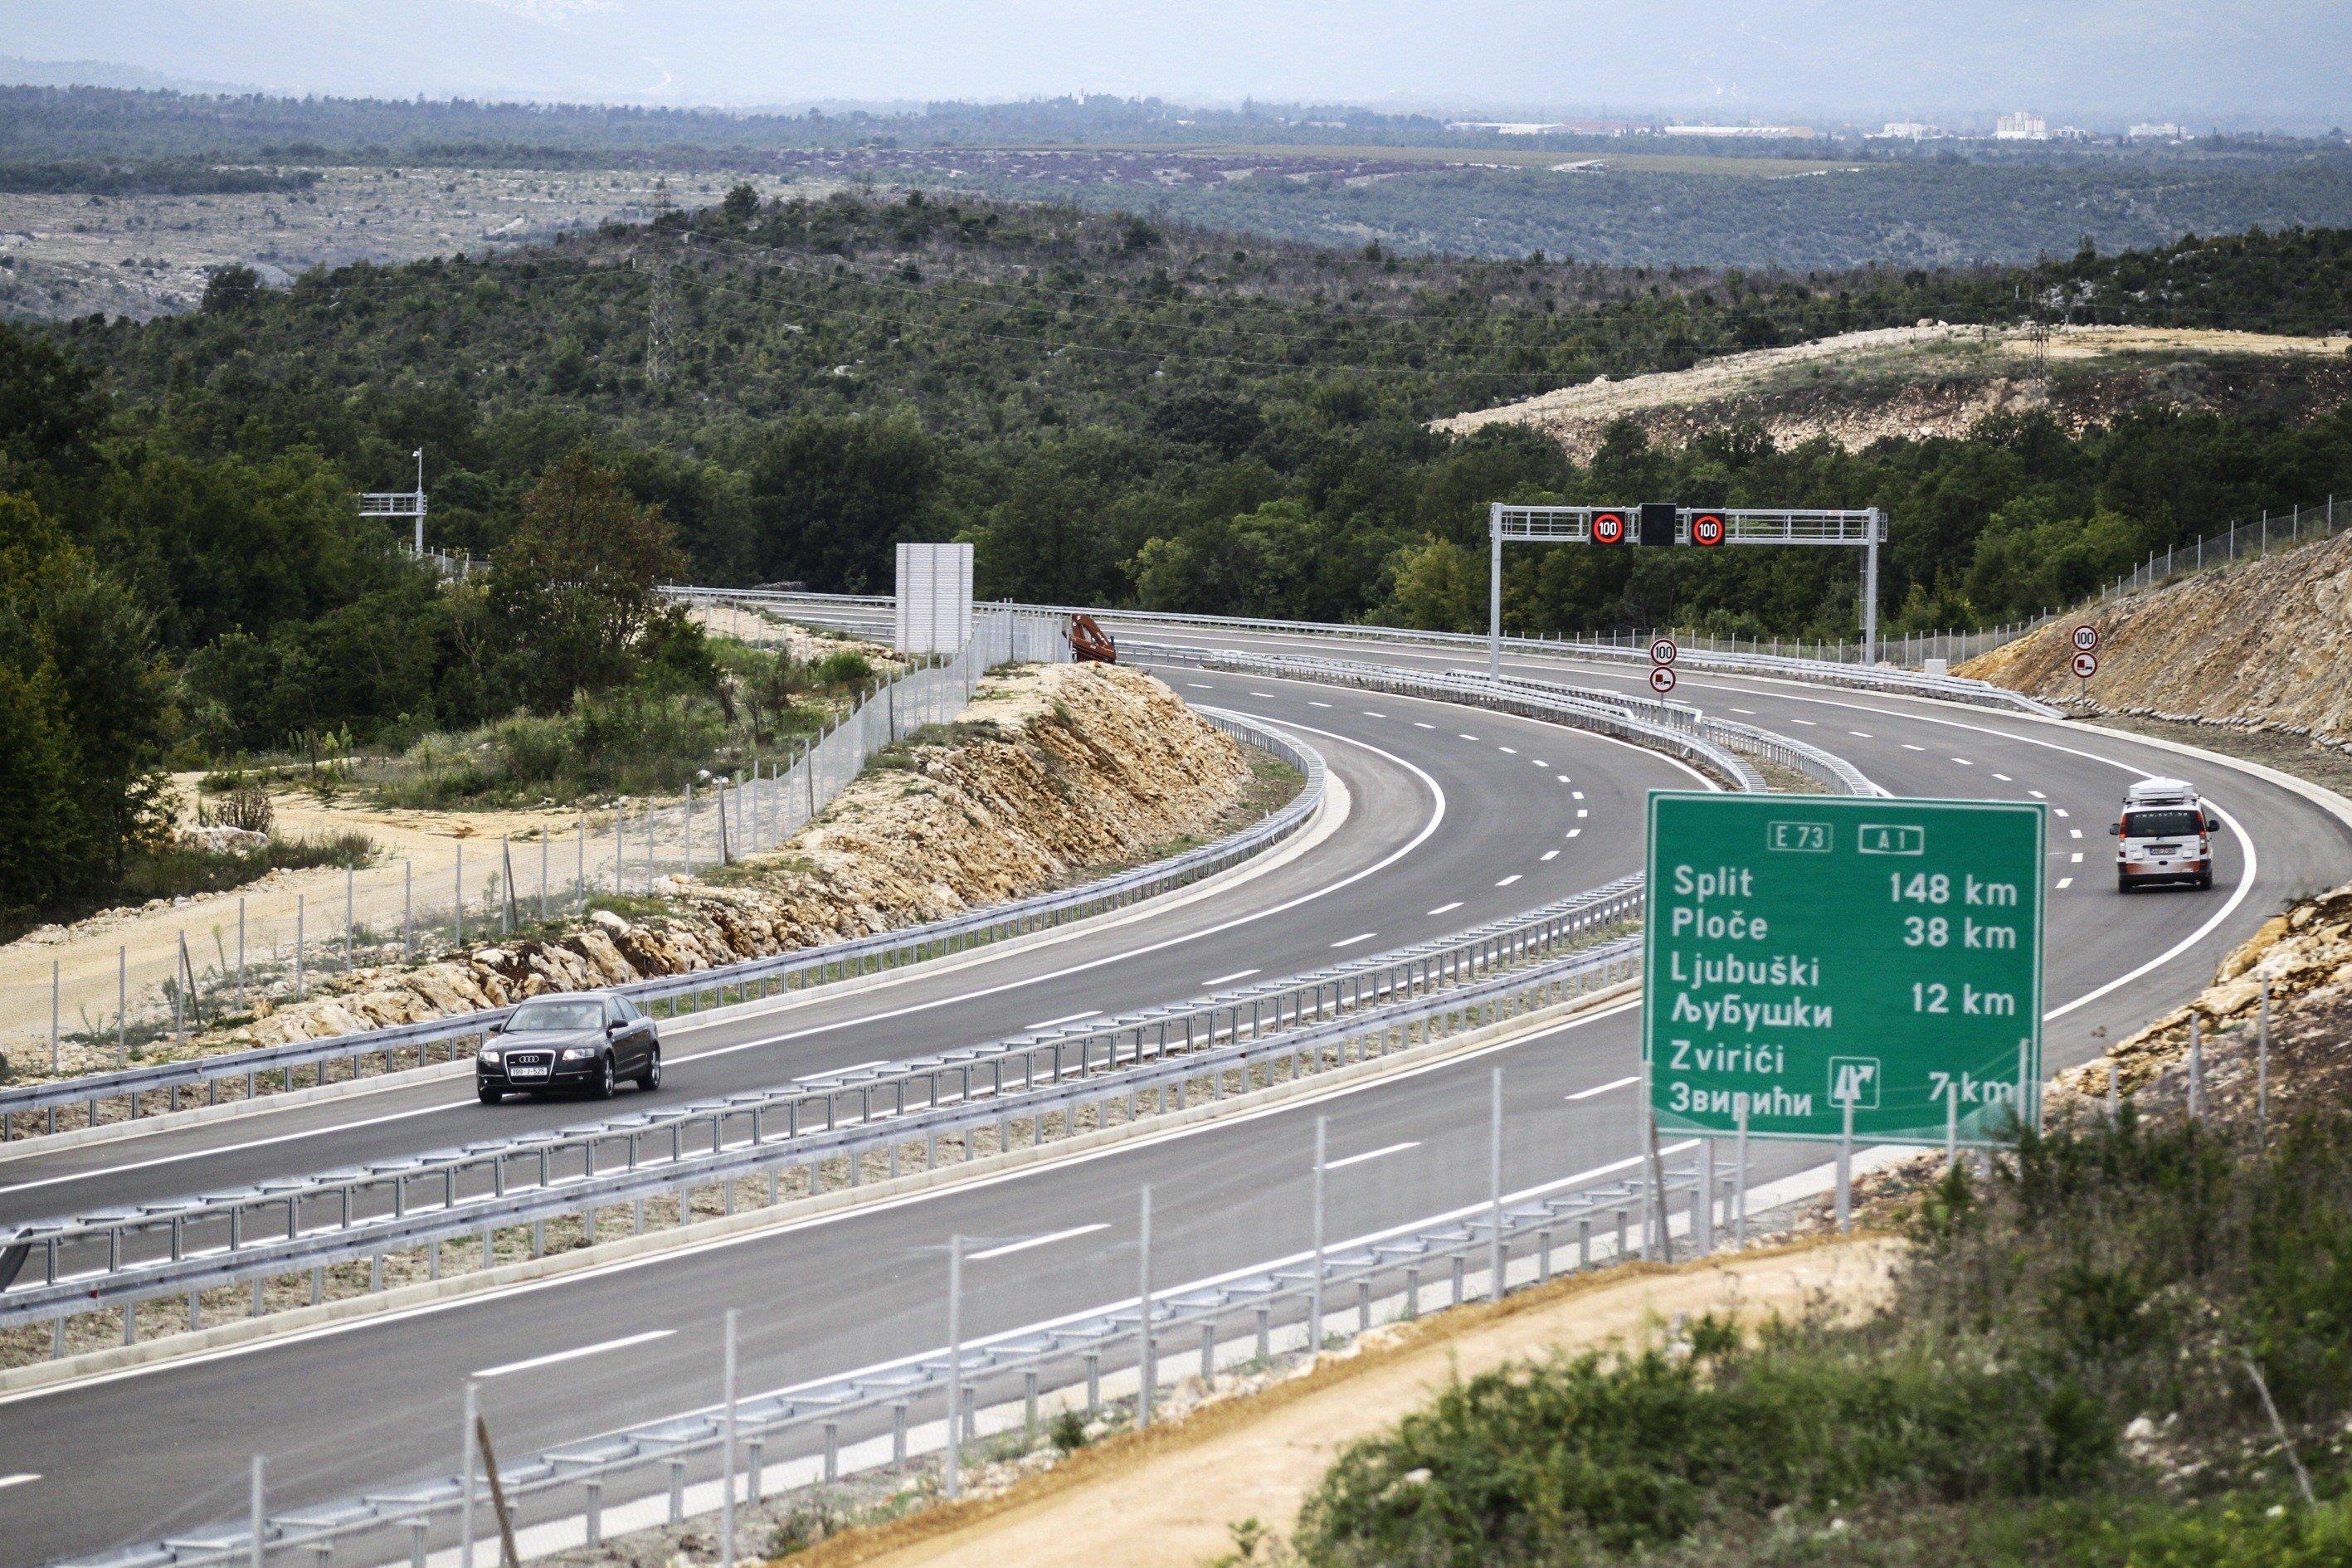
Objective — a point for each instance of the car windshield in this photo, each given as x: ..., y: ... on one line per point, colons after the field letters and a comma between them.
x: 540, y: 1016
x: 2161, y: 825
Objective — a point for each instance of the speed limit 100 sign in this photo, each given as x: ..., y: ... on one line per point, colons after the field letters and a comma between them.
x: 2086, y: 638
x: 1663, y: 651
x: 1706, y: 527
x: 1607, y: 527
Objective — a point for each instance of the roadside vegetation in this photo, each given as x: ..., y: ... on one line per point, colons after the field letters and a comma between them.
x: 2078, y: 1366
x: 1114, y: 409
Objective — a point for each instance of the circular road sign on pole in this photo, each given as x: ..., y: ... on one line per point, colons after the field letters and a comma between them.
x: 2086, y: 638
x: 1706, y: 527
x: 2086, y: 664
x: 1662, y: 679
x: 1663, y: 651
x: 1607, y: 527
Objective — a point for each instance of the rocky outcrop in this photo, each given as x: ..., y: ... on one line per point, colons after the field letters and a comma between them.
x: 2265, y: 643
x: 1054, y: 774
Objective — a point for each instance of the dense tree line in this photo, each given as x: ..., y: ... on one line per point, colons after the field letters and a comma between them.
x: 1116, y: 410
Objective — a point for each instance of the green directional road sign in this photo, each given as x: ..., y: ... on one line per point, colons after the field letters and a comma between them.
x: 1799, y: 951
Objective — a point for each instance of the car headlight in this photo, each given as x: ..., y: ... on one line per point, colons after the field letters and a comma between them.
x: 489, y: 1054
x: 581, y: 1053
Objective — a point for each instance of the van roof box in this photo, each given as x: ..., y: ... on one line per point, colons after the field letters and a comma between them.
x: 2160, y: 792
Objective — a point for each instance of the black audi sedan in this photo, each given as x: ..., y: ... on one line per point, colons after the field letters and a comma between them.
x: 574, y: 1042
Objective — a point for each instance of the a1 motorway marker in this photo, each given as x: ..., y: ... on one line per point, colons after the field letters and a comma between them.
x: 1801, y: 953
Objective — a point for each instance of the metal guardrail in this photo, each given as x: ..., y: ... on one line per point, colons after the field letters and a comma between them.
x: 1232, y: 1320
x: 1055, y: 1090
x: 674, y: 995
x: 1674, y: 730
x: 1891, y: 682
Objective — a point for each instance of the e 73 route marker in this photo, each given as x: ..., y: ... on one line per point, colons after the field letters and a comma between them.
x: 1800, y: 953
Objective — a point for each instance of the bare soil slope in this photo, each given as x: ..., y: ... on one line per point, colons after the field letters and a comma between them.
x: 1927, y: 380
x: 2267, y: 643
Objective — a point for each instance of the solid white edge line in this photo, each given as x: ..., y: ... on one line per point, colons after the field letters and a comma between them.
x: 672, y: 1255
x: 1602, y: 1088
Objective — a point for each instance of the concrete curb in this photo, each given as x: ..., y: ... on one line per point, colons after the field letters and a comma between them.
x: 248, y: 1330
x: 1328, y: 819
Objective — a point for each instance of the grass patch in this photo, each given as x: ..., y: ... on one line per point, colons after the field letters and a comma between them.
x: 2068, y: 1373
x: 184, y: 870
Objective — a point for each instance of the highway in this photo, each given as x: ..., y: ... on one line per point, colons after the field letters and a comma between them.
x: 1456, y: 816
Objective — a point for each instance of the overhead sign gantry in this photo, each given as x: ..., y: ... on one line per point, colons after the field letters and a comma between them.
x: 1654, y: 523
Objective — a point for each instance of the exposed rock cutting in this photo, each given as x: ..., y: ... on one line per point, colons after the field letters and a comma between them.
x: 1054, y: 773
x: 2266, y: 643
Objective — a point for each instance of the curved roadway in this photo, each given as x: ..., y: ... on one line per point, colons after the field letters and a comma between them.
x: 364, y: 1404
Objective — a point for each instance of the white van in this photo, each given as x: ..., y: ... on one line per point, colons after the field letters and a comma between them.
x: 2165, y: 835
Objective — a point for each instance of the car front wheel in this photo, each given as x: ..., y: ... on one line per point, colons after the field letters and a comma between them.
x: 603, y: 1087
x: 488, y: 1095
x: 651, y: 1077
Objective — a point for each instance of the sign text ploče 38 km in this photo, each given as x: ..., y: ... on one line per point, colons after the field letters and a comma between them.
x: 1802, y: 951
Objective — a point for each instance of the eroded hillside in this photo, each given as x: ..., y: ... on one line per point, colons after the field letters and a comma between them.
x: 1932, y: 379
x: 2268, y: 642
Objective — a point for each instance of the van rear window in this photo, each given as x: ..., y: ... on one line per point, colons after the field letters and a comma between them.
x: 2162, y: 825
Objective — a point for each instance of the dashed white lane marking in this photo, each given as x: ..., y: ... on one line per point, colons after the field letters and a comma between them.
x: 1026, y: 1242
x: 2057, y: 811
x: 1602, y: 1088
x: 2074, y: 833
x: 1909, y: 747
x: 561, y: 1356
x: 1199, y: 686
x: 1352, y: 941
x: 1749, y: 712
x: 1508, y: 880
x: 1068, y: 1018
x: 835, y: 1072
x: 2037, y: 794
x: 20, y: 1478
x: 1447, y: 909
x: 2065, y: 881
x: 1466, y: 734
x: 1561, y: 777
x: 1229, y: 979
x: 1576, y: 795
x: 2075, y: 858
x: 2004, y: 778
x: 1574, y: 831
x: 1581, y: 811
x: 1508, y: 751
x: 1862, y: 734
x: 1808, y: 724
x: 1314, y: 704
x: 1261, y: 694
x: 1369, y: 1154
x: 1369, y: 714
x: 1964, y: 762
x: 1539, y: 761
x: 1419, y: 725
x: 1548, y: 854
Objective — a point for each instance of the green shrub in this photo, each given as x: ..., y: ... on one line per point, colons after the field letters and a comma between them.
x: 183, y: 870
x: 843, y: 667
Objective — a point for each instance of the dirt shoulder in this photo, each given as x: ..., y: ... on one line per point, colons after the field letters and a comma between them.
x: 1169, y: 1498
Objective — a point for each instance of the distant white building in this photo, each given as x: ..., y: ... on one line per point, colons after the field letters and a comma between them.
x: 1511, y: 127
x: 2023, y: 126
x: 1773, y: 130
x: 1910, y: 131
x: 2163, y: 131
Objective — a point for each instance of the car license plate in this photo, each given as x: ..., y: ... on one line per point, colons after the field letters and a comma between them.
x: 538, y: 1070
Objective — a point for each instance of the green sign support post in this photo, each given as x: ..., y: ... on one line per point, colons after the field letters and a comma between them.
x: 1828, y: 968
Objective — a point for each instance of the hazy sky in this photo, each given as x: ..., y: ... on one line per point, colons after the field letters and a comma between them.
x: 2260, y: 62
